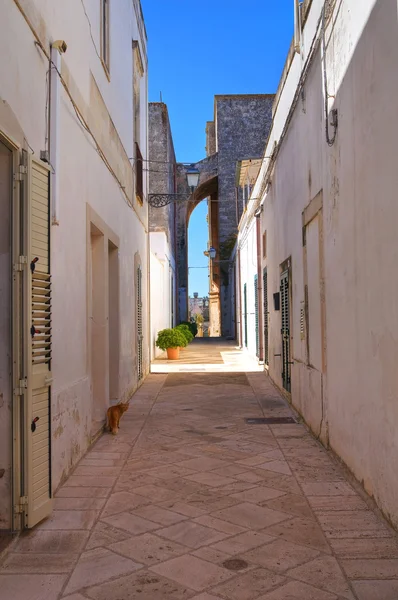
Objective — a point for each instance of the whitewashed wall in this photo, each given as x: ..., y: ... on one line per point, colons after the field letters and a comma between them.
x: 162, y: 275
x: 344, y: 379
x: 84, y: 181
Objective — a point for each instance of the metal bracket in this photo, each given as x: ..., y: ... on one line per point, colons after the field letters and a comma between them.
x: 19, y: 174
x: 160, y: 200
x: 22, y: 386
x: 20, y: 264
x: 19, y: 508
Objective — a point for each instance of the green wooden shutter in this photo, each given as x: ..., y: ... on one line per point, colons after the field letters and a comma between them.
x: 256, y: 315
x: 265, y: 305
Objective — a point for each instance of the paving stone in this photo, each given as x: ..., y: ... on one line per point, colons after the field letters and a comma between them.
x: 70, y: 519
x: 104, y: 535
x: 365, y: 547
x: 292, y: 504
x: 276, y: 466
x: 170, y: 472
x: 352, y: 524
x: 122, y: 501
x: 206, y: 596
x: 203, y: 463
x: 74, y: 597
x: 87, y: 481
x: 211, y: 479
x: 250, y: 515
x: 191, y: 534
x: 325, y: 573
x: 97, y: 566
x: 371, y: 568
x: 148, y: 549
x: 38, y: 563
x: 57, y: 542
x: 159, y: 515
x: 219, y: 525
x: 82, y: 492
x: 144, y: 585
x: 301, y: 531
x: 336, y: 488
x: 258, y: 494
x: 243, y: 542
x: 96, y: 470
x: 249, y: 477
x: 79, y: 503
x: 376, y: 589
x: 131, y: 523
x: 338, y: 503
x: 296, y: 590
x: 192, y: 572
x: 280, y: 555
x: 284, y: 483
x: 210, y: 554
x: 183, y: 508
x: 155, y: 493
x: 249, y: 585
x: 31, y: 587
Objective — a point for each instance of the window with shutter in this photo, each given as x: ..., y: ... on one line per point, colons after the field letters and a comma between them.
x: 38, y: 345
x: 256, y: 315
x: 139, y: 325
x: 285, y: 309
x: 265, y: 295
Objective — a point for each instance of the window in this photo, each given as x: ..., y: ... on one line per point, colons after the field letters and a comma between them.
x: 139, y: 171
x: 138, y: 71
x: 105, y: 34
x: 265, y: 244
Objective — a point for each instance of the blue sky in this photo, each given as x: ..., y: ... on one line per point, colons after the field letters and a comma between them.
x: 199, y: 49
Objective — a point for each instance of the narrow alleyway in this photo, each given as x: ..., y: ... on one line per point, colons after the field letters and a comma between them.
x: 192, y: 501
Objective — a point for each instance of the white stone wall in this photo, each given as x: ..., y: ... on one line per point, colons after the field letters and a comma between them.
x: 344, y: 378
x: 162, y: 275
x: 85, y: 184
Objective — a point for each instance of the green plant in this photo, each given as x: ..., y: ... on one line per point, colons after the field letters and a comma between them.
x: 199, y: 319
x: 192, y: 326
x: 185, y: 330
x: 171, y: 338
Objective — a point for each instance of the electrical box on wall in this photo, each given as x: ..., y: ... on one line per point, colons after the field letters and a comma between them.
x: 277, y: 301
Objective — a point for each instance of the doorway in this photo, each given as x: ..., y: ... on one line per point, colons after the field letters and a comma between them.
x: 113, y: 322
x: 98, y: 329
x: 6, y: 164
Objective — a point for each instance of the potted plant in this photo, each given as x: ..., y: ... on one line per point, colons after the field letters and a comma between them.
x: 171, y: 340
x: 192, y: 326
x: 185, y: 330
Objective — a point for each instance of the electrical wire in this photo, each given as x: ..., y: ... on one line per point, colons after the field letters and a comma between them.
x: 330, y: 140
x: 91, y: 31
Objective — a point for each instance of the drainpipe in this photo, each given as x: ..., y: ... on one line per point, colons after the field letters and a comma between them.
x: 259, y: 291
x: 55, y: 91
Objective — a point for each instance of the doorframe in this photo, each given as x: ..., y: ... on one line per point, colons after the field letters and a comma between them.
x: 17, y: 424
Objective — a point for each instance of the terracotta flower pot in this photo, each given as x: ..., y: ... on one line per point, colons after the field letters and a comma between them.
x: 173, y: 353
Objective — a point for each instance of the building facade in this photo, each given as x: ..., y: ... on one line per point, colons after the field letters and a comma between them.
x: 162, y: 170
x: 326, y: 231
x: 74, y: 258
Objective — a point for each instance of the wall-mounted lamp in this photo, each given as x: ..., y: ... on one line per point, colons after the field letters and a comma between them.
x: 193, y: 178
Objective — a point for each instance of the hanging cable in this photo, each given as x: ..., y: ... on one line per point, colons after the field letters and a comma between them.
x: 330, y: 140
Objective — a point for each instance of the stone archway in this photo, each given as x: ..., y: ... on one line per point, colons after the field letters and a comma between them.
x: 207, y: 188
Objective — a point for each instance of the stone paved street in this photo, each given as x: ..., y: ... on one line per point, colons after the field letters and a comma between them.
x: 189, y: 501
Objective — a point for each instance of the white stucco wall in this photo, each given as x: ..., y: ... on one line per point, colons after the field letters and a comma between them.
x: 162, y: 276
x: 84, y: 181
x: 248, y: 261
x: 348, y: 395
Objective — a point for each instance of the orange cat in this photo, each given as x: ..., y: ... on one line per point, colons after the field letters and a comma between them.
x: 114, y: 413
